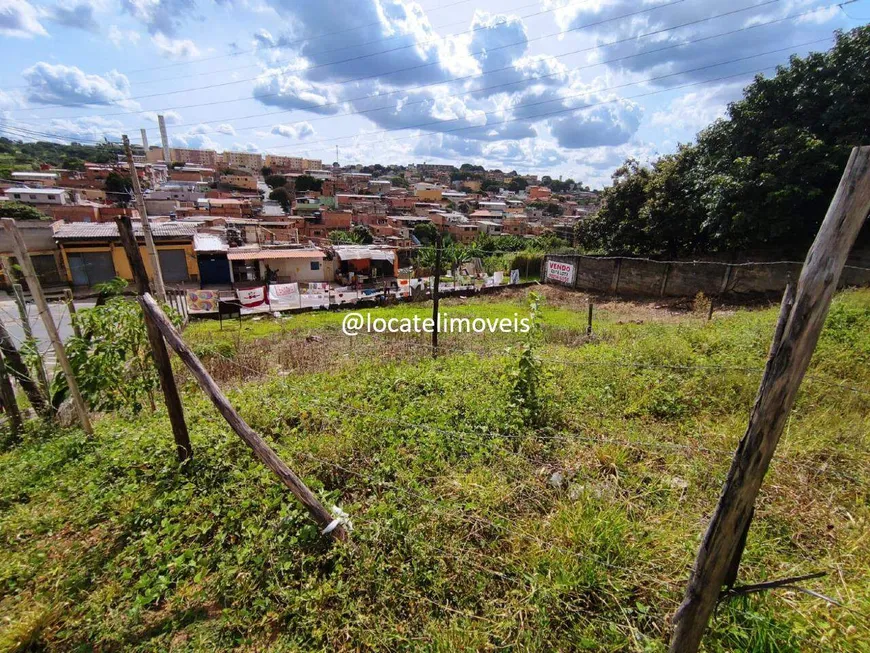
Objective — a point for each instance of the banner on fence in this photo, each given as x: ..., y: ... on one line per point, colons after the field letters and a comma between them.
x: 404, y: 288
x: 344, y: 294
x: 202, y: 301
x: 253, y: 300
x: 318, y: 286
x: 560, y: 272
x: 283, y: 296
x: 515, y: 277
x: 311, y: 299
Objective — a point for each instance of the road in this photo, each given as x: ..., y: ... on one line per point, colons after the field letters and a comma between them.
x: 11, y: 320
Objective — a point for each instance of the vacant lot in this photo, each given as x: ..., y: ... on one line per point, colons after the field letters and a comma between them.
x: 482, y: 519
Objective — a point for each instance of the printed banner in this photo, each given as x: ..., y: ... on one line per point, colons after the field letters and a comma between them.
x: 404, y: 288
x: 318, y: 286
x: 202, y: 301
x: 344, y: 294
x: 560, y: 272
x: 253, y: 300
x: 314, y: 299
x: 283, y: 296
x: 515, y: 277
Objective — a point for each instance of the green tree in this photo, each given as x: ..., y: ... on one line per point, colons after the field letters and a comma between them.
x: 305, y: 183
x: 119, y: 187
x: 283, y: 197
x: 274, y: 181
x: 21, y: 211
x: 761, y: 178
x: 73, y: 164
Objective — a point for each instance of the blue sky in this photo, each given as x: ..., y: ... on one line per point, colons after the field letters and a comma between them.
x: 562, y: 87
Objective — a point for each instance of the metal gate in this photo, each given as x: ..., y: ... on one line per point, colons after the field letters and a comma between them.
x: 173, y: 265
x: 91, y: 268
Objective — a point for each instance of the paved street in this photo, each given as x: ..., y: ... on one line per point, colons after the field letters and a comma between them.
x: 10, y: 318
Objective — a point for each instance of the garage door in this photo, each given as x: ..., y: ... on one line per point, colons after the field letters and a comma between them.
x: 173, y: 265
x: 90, y: 268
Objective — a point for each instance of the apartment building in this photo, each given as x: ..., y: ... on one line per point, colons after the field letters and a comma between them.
x: 291, y: 163
x: 37, y: 195
x: 246, y: 160
x: 206, y: 158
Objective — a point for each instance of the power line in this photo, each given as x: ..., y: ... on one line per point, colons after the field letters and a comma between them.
x: 456, y: 79
x: 524, y: 80
x: 376, y: 75
x: 531, y: 117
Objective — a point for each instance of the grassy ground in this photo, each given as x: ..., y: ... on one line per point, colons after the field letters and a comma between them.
x: 472, y: 528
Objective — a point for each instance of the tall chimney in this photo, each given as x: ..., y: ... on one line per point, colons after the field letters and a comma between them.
x: 162, y: 123
x: 144, y: 140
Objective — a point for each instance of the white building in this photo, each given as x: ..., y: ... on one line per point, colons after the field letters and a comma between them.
x: 38, y: 195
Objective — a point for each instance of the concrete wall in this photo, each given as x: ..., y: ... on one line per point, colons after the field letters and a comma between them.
x: 635, y: 276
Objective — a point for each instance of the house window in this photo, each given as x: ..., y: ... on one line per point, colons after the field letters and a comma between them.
x: 33, y: 197
x: 315, y: 265
x: 17, y: 196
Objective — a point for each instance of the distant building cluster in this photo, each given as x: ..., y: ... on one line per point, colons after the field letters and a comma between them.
x: 215, y: 224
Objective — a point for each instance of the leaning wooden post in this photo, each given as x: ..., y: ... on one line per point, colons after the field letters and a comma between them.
x: 783, y: 374
x: 18, y: 291
x: 435, y: 292
x: 261, y: 450
x: 183, y: 449
x: 50, y: 328
x: 589, y: 321
x: 10, y: 406
x: 16, y: 367
x: 71, y: 307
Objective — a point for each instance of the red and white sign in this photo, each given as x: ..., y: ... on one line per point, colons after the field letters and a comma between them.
x: 560, y: 272
x: 253, y: 300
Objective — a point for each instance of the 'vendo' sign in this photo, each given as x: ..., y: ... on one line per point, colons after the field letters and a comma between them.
x: 560, y: 272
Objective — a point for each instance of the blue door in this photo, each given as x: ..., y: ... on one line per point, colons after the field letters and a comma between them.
x: 214, y: 269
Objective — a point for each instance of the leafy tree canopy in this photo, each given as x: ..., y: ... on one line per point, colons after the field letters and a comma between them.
x: 21, y: 211
x: 759, y: 179
x: 274, y: 181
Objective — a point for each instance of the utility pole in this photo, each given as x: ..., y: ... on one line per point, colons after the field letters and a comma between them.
x: 45, y: 313
x: 159, y: 288
x: 158, y: 347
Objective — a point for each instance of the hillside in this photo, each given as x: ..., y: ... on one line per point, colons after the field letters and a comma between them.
x: 481, y: 519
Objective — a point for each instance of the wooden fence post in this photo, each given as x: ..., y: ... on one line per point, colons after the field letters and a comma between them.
x: 614, y: 283
x: 435, y: 291
x: 261, y: 450
x: 801, y: 325
x: 71, y: 308
x: 16, y: 367
x: 45, y: 313
x: 18, y: 291
x: 589, y: 321
x: 10, y: 406
x: 174, y: 408
x: 665, y: 276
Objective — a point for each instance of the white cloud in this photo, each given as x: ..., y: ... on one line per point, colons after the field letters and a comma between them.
x: 246, y: 147
x: 61, y: 84
x: 169, y: 117
x: 20, y: 19
x: 195, y: 141
x: 78, y: 16
x: 175, y: 48
x: 88, y: 128
x: 296, y: 132
x: 120, y: 38
x: 225, y: 128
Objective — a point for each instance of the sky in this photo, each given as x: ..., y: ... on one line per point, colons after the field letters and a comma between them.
x: 568, y: 88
